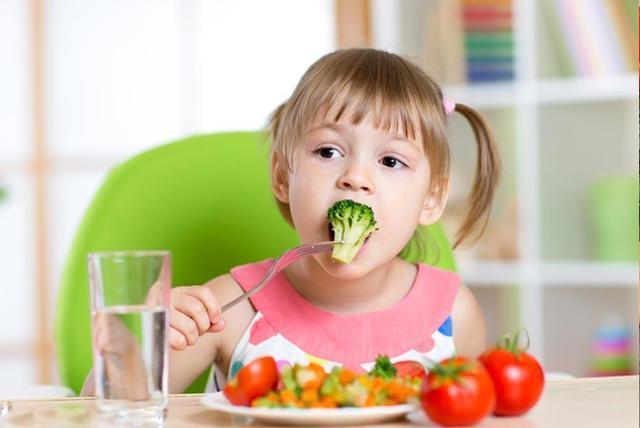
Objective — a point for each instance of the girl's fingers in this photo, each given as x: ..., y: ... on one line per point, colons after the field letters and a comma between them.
x: 185, y: 325
x: 217, y: 326
x: 194, y: 309
x: 205, y: 295
x: 177, y: 341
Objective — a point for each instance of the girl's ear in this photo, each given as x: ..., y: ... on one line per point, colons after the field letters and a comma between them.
x: 279, y: 179
x: 433, y: 205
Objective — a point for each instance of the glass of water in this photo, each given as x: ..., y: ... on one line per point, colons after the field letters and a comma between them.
x: 129, y: 316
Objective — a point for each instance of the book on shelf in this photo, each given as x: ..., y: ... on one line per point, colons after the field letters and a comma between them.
x: 488, y: 36
x: 469, y: 40
x: 592, y: 38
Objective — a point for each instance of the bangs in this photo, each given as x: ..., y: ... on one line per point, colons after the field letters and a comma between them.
x: 356, y: 105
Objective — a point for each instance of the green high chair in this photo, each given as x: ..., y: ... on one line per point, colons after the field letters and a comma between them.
x: 207, y: 199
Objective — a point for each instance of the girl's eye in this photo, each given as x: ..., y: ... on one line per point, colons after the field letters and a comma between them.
x: 327, y: 152
x: 391, y: 162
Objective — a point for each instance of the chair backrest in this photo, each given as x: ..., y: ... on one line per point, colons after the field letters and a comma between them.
x: 206, y: 199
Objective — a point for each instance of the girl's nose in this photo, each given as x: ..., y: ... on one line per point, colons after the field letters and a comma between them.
x: 355, y: 179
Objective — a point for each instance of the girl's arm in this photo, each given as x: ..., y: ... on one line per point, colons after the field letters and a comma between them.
x: 469, y: 331
x: 187, y: 364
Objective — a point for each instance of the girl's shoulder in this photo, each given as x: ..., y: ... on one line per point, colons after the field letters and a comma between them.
x: 430, y: 271
x: 431, y: 280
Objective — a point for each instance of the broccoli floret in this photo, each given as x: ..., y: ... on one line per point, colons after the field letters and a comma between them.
x: 351, y: 222
x: 383, y: 368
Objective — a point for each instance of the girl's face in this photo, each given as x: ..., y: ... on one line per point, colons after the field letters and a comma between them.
x: 386, y: 171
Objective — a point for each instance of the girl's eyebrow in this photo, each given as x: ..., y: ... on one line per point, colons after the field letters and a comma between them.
x: 331, y: 125
x: 339, y: 128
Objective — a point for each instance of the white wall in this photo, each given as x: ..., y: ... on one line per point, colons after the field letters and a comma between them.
x: 123, y: 76
x: 16, y: 235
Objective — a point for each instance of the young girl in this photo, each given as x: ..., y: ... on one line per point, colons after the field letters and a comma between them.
x: 365, y: 125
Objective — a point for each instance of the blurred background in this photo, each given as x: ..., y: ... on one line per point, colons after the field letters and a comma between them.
x: 85, y: 85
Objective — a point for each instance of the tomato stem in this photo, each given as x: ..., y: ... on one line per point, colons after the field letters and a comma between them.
x: 513, y: 343
x: 450, y: 371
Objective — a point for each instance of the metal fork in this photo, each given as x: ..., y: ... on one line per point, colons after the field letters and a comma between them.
x: 280, y: 263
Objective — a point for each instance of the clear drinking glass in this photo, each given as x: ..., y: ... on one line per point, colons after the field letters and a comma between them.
x: 129, y: 314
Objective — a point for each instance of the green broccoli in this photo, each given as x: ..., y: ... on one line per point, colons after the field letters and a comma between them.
x: 383, y: 368
x: 352, y: 223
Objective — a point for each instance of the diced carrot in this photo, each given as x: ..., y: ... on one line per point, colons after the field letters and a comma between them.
x: 309, y: 396
x: 370, y: 401
x: 346, y: 376
x: 400, y: 392
x: 288, y: 397
x: 378, y: 384
x: 325, y: 402
x: 328, y: 402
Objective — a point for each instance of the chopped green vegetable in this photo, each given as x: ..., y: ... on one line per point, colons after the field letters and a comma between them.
x: 352, y: 223
x: 289, y: 380
x: 270, y: 401
x: 332, y: 383
x: 383, y: 368
x: 341, y: 387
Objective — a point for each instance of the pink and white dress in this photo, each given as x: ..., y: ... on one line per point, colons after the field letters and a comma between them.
x: 291, y: 330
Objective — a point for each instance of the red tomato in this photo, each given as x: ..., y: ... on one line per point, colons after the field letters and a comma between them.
x: 458, y: 391
x: 517, y: 376
x: 409, y: 368
x: 252, y: 381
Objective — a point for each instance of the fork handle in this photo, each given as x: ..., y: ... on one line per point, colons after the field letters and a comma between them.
x: 277, y: 265
x: 241, y: 297
x: 251, y: 292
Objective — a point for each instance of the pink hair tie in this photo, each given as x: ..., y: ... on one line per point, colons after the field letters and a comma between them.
x: 449, y: 105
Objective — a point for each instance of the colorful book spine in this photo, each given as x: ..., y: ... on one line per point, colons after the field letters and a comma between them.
x: 560, y: 51
x: 625, y: 32
x: 604, y: 23
x: 595, y: 34
x: 488, y: 40
x: 569, y: 28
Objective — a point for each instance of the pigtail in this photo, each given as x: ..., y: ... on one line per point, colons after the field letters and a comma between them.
x: 486, y: 177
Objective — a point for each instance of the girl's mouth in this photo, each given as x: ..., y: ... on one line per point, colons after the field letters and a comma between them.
x: 332, y: 235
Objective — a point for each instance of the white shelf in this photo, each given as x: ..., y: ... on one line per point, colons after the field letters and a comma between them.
x: 483, y: 95
x: 552, y: 274
x: 546, y: 92
x: 585, y: 273
x: 477, y: 273
x: 577, y: 89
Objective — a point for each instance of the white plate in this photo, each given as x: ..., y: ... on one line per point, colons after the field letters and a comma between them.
x: 340, y: 416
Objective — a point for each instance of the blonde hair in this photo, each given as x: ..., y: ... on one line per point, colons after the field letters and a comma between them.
x: 359, y: 84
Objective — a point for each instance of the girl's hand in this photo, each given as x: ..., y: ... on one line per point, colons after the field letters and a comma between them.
x: 194, y: 312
